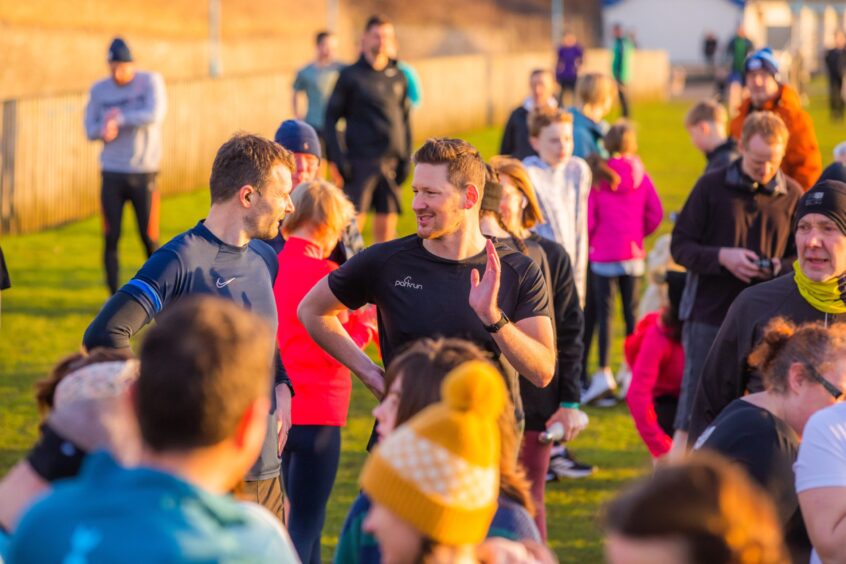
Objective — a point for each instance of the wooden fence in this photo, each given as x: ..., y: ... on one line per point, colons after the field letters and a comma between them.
x: 49, y: 172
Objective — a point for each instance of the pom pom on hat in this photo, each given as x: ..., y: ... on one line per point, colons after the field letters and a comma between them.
x: 474, y: 386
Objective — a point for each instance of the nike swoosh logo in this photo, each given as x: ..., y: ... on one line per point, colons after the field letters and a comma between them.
x: 222, y: 284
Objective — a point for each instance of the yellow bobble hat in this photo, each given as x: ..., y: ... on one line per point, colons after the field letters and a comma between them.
x: 440, y: 471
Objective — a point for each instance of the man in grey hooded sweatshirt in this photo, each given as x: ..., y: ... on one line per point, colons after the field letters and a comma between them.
x: 125, y: 111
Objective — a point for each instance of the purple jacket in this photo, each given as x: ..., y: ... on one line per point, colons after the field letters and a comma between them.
x: 569, y: 61
x: 619, y: 218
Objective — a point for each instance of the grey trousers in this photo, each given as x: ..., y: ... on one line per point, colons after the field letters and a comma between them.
x: 697, y: 339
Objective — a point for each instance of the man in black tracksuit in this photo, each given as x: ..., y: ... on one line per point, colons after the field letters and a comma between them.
x: 820, y: 232
x: 372, y: 96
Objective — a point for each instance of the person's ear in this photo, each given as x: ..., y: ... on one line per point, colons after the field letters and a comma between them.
x: 796, y: 377
x: 471, y: 196
x: 246, y: 194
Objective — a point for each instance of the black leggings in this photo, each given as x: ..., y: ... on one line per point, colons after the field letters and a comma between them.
x: 835, y: 98
x: 590, y: 324
x: 624, y: 99
x: 603, y: 296
x: 140, y: 190
x: 309, y: 466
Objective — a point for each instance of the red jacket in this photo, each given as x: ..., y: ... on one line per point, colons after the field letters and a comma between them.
x: 657, y: 371
x: 802, y: 159
x: 321, y: 383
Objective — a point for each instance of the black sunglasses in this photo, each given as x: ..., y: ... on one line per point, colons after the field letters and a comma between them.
x: 835, y: 392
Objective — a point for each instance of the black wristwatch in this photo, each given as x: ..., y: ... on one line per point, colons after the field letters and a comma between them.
x: 495, y: 327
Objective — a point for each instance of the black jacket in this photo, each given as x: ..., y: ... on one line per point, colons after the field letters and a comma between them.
x: 722, y: 155
x: 539, y: 404
x: 376, y: 108
x: 835, y: 64
x: 515, y: 137
x: 726, y: 375
x: 727, y: 209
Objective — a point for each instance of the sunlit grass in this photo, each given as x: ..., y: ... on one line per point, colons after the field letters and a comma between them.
x: 58, y: 288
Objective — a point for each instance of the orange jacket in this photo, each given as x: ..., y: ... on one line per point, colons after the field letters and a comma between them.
x: 802, y: 159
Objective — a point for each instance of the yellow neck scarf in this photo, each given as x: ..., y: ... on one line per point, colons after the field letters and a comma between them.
x: 826, y: 297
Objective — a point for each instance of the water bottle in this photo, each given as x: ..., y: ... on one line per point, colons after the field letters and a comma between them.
x: 555, y: 432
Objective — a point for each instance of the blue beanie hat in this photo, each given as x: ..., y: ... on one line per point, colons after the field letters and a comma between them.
x: 119, y: 51
x: 762, y: 59
x: 298, y: 137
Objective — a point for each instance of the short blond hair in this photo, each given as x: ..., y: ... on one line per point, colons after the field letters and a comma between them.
x: 766, y: 124
x: 595, y: 87
x: 706, y: 111
x: 321, y: 204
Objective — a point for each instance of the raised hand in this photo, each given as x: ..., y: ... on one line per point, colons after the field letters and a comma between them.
x: 484, y: 290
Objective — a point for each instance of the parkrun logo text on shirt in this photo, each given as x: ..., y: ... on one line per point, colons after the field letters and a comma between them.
x: 407, y: 283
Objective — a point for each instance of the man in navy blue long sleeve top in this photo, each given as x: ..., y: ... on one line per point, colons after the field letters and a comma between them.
x: 222, y: 255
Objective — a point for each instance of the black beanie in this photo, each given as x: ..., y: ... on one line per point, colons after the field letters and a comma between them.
x: 827, y: 198
x: 119, y: 51
x: 492, y: 196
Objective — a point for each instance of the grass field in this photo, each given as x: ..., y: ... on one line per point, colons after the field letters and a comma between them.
x: 58, y: 288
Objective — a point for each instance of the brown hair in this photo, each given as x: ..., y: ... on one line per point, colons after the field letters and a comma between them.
x: 785, y: 343
x: 463, y: 161
x: 601, y: 172
x: 706, y: 111
x: 321, y: 204
x: 45, y: 389
x: 541, y: 72
x: 427, y: 362
x: 490, y: 206
x: 766, y: 124
x: 707, y: 503
x: 514, y: 169
x: 621, y: 138
x: 377, y: 20
x: 544, y: 116
x: 246, y: 159
x: 202, y: 365
x: 594, y: 87
x: 322, y: 36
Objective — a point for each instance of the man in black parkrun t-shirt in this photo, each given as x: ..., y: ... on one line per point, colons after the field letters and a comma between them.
x: 430, y: 284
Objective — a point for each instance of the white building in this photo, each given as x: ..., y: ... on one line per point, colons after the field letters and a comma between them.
x: 680, y: 26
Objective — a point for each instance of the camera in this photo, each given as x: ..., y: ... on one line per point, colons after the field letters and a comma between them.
x: 766, y: 265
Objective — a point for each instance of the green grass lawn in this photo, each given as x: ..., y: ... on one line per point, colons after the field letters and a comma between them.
x: 58, y: 288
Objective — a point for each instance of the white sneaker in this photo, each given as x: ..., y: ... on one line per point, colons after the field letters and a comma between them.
x: 601, y: 384
x: 624, y: 381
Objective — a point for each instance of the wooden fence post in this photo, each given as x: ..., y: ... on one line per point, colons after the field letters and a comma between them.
x: 8, y: 138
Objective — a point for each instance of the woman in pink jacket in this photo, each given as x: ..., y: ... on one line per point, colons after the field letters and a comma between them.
x: 623, y: 208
